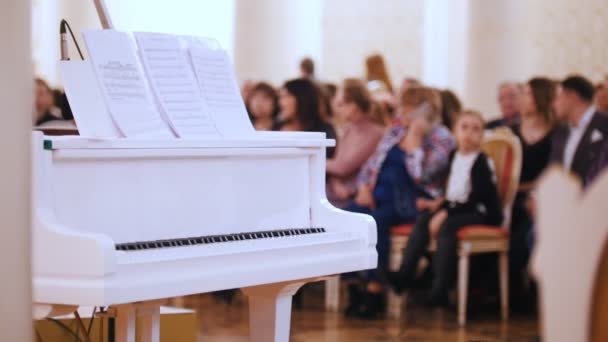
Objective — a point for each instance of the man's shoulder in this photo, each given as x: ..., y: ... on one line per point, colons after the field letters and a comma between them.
x: 600, y: 121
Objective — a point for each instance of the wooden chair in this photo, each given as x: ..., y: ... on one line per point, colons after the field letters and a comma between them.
x: 504, y: 148
x: 570, y: 258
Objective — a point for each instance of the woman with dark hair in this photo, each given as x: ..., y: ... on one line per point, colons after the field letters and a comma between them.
x: 535, y: 131
x: 450, y: 105
x: 263, y: 106
x: 299, y: 101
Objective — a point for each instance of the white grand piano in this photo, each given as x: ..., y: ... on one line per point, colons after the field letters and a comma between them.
x: 122, y: 223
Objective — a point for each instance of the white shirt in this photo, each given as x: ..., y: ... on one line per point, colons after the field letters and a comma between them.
x: 575, y: 136
x: 459, y: 181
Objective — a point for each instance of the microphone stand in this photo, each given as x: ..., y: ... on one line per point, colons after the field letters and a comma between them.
x: 102, y: 12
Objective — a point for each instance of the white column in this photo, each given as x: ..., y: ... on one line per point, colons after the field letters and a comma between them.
x: 446, y: 44
x: 16, y: 89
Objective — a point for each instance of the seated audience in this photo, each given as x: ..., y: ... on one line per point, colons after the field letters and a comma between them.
x: 330, y: 89
x: 578, y: 143
x: 508, y: 99
x: 471, y: 197
x: 406, y: 166
x: 300, y: 103
x: 353, y: 105
x: 601, y: 96
x: 535, y: 131
x: 44, y: 103
x: 246, y: 87
x: 408, y: 83
x: 450, y: 106
x: 325, y: 100
x: 376, y: 70
x: 263, y: 106
x: 382, y: 112
x: 307, y: 68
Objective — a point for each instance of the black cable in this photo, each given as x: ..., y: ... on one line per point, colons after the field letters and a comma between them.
x: 66, y: 328
x: 91, y: 321
x: 64, y: 22
x: 87, y: 338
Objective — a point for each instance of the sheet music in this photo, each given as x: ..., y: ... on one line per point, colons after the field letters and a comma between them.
x: 123, y: 84
x: 174, y: 84
x: 86, y: 101
x: 219, y: 89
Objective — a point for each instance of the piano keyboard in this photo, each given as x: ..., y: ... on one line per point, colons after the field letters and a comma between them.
x: 213, y: 239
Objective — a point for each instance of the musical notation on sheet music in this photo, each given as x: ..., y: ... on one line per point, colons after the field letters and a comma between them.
x: 174, y: 84
x: 123, y: 84
x: 219, y: 90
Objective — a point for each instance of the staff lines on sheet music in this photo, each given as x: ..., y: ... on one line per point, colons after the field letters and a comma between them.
x: 178, y: 92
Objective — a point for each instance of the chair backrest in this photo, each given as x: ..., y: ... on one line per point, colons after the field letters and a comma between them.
x: 570, y: 258
x: 504, y: 148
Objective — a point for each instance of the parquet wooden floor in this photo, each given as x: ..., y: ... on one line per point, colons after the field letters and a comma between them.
x: 219, y: 322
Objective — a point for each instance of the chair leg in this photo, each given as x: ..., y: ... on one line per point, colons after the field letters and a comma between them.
x: 395, y: 302
x: 503, y: 267
x: 463, y: 284
x: 332, y: 293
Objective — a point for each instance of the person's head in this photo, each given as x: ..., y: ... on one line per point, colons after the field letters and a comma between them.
x: 450, y: 105
x: 330, y: 89
x: 468, y: 128
x: 537, y: 98
x: 407, y: 83
x: 299, y: 100
x: 376, y: 70
x: 508, y: 98
x: 307, y: 68
x: 574, y: 95
x: 601, y: 97
x: 419, y: 102
x: 263, y: 102
x: 44, y: 98
x: 353, y: 101
x: 246, y: 87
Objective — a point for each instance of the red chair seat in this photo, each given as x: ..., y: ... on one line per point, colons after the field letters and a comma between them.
x: 482, y: 232
x: 402, y: 229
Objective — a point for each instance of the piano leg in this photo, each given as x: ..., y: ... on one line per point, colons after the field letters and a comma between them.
x: 270, y: 310
x: 125, y: 323
x: 126, y: 318
x: 150, y: 323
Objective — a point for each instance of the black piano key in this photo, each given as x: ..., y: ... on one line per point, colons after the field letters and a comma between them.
x: 193, y: 241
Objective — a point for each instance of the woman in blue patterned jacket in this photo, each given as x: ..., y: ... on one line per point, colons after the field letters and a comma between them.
x: 408, y: 164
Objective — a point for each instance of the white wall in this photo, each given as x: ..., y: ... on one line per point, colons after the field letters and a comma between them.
x: 271, y: 36
x: 196, y: 17
x: 446, y: 44
x: 16, y: 114
x: 355, y: 29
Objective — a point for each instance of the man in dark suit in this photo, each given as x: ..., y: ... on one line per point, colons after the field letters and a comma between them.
x: 578, y: 142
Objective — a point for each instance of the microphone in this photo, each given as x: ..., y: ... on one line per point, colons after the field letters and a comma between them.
x: 63, y: 40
